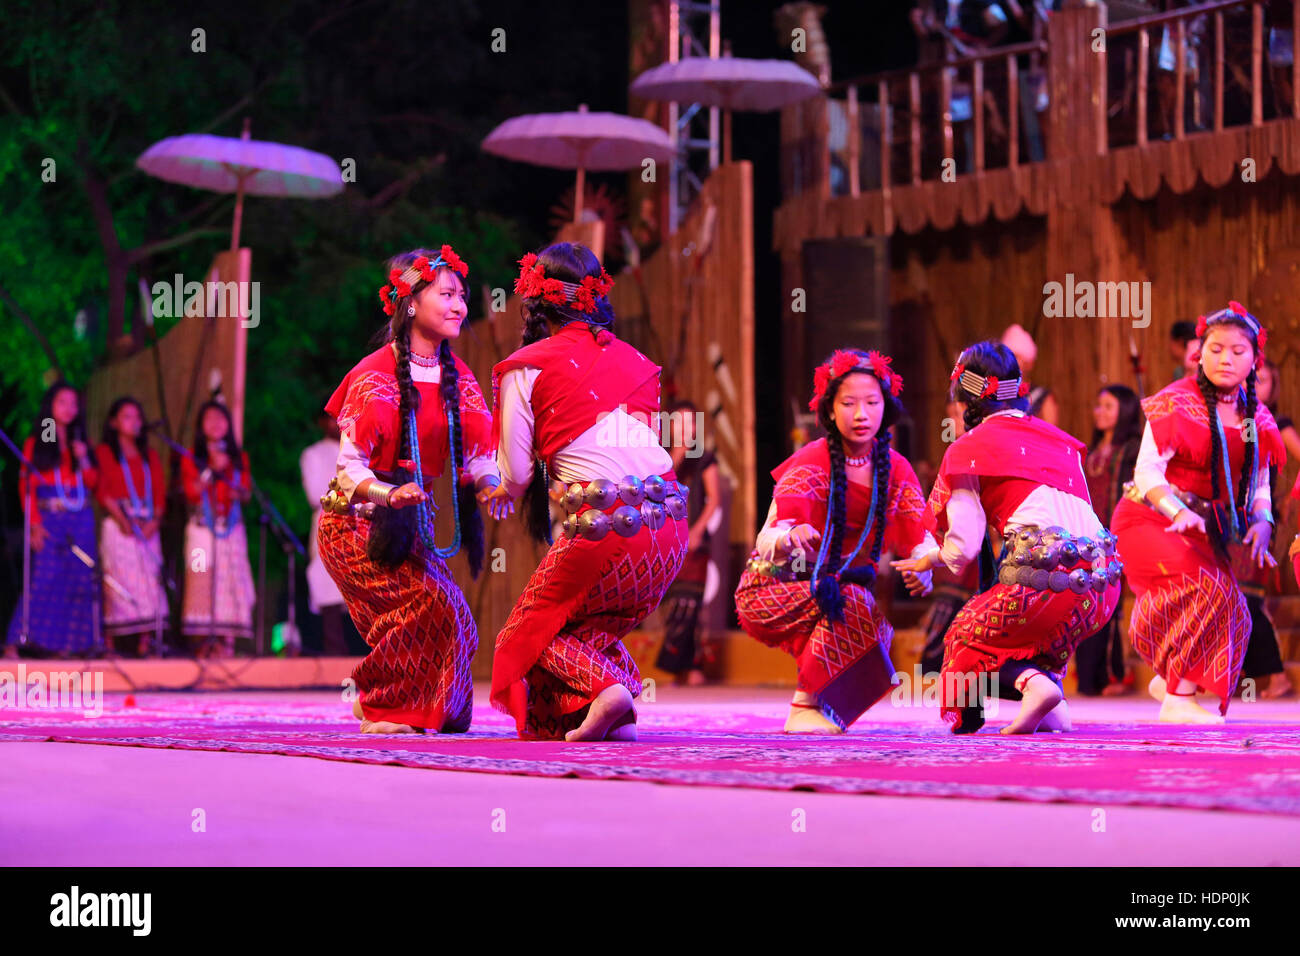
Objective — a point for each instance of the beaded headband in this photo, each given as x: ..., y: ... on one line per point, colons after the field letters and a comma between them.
x: 993, y: 387
x: 842, y: 362
x: 1236, y: 312
x: 423, y: 268
x: 533, y: 283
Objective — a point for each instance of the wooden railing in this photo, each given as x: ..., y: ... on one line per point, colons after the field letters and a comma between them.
x: 899, y: 128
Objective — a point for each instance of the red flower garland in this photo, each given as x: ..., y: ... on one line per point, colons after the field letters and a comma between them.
x: 453, y: 261
x: 842, y: 362
x: 533, y: 283
x: 990, y: 387
x: 1023, y: 390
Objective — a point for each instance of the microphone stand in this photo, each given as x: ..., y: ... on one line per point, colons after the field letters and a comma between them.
x: 290, y: 544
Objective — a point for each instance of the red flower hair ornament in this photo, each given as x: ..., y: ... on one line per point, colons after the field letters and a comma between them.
x: 422, y: 269
x: 842, y: 362
x: 533, y: 283
x: 1236, y: 311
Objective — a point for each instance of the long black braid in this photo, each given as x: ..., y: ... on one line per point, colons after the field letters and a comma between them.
x: 828, y: 594
x: 393, y: 530
x: 570, y: 262
x: 1250, y: 436
x: 471, y: 521
x: 1210, y: 394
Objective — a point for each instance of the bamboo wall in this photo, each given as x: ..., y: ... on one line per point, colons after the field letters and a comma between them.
x: 175, y: 381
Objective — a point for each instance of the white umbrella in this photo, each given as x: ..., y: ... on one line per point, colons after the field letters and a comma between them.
x: 227, y: 165
x: 733, y: 83
x: 580, y: 140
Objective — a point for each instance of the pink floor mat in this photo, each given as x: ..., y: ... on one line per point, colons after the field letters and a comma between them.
x: 1246, y: 766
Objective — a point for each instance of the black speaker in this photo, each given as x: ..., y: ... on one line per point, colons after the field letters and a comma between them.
x: 847, y: 284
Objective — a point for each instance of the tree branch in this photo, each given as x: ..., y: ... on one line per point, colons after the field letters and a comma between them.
x: 31, y: 327
x: 140, y: 253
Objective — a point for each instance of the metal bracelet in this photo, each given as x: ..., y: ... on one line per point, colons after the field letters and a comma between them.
x: 379, y: 492
x: 1170, y: 505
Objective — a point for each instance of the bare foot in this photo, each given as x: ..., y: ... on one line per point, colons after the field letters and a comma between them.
x: 610, y: 704
x: 1157, y: 688
x: 806, y: 717
x: 386, y: 727
x: 1041, y: 695
x: 1116, y: 689
x: 1057, y: 720
x: 1183, y: 709
x: 1279, y: 686
x: 624, y: 729
x: 696, y: 678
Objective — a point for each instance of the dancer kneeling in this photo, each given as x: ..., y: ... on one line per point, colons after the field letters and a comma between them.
x: 840, y: 497
x: 1201, y: 484
x: 1058, y: 581
x: 402, y: 412
x: 577, y: 404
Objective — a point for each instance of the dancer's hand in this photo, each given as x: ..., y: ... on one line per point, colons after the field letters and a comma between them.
x: 918, y: 583
x: 407, y: 495
x: 1187, y: 520
x: 1257, y: 539
x: 498, y: 501
x: 802, y: 537
x: 914, y: 566
x: 1295, y: 547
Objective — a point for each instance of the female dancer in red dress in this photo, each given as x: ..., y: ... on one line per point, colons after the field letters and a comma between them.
x: 1201, y: 483
x: 403, y: 411
x: 578, y: 405
x: 1059, y: 578
x: 132, y: 491
x: 217, y: 609
x: 840, y: 497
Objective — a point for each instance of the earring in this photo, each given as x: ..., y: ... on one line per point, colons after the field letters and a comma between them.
x: 410, y: 310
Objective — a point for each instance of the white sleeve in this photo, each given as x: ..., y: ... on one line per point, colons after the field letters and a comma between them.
x: 966, y: 526
x: 352, y: 466
x: 515, y: 453
x: 774, y: 530
x: 481, y: 465
x: 1149, y: 472
x: 1262, y: 499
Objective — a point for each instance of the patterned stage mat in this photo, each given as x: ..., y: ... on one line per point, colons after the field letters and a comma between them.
x: 1252, y: 764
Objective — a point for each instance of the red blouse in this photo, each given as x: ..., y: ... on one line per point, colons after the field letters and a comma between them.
x: 366, y: 406
x: 65, y: 471
x: 803, y: 483
x: 1178, y: 420
x: 112, y: 480
x: 220, y: 494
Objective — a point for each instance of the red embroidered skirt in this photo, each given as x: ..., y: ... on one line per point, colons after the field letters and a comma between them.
x: 1011, y: 622
x: 1190, y: 619
x: 845, y: 666
x: 562, y: 644
x: 421, y: 633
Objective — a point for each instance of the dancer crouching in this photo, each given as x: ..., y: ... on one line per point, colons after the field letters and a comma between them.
x: 845, y: 498
x: 403, y: 411
x: 1201, y: 483
x: 1059, y: 576
x: 577, y: 404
